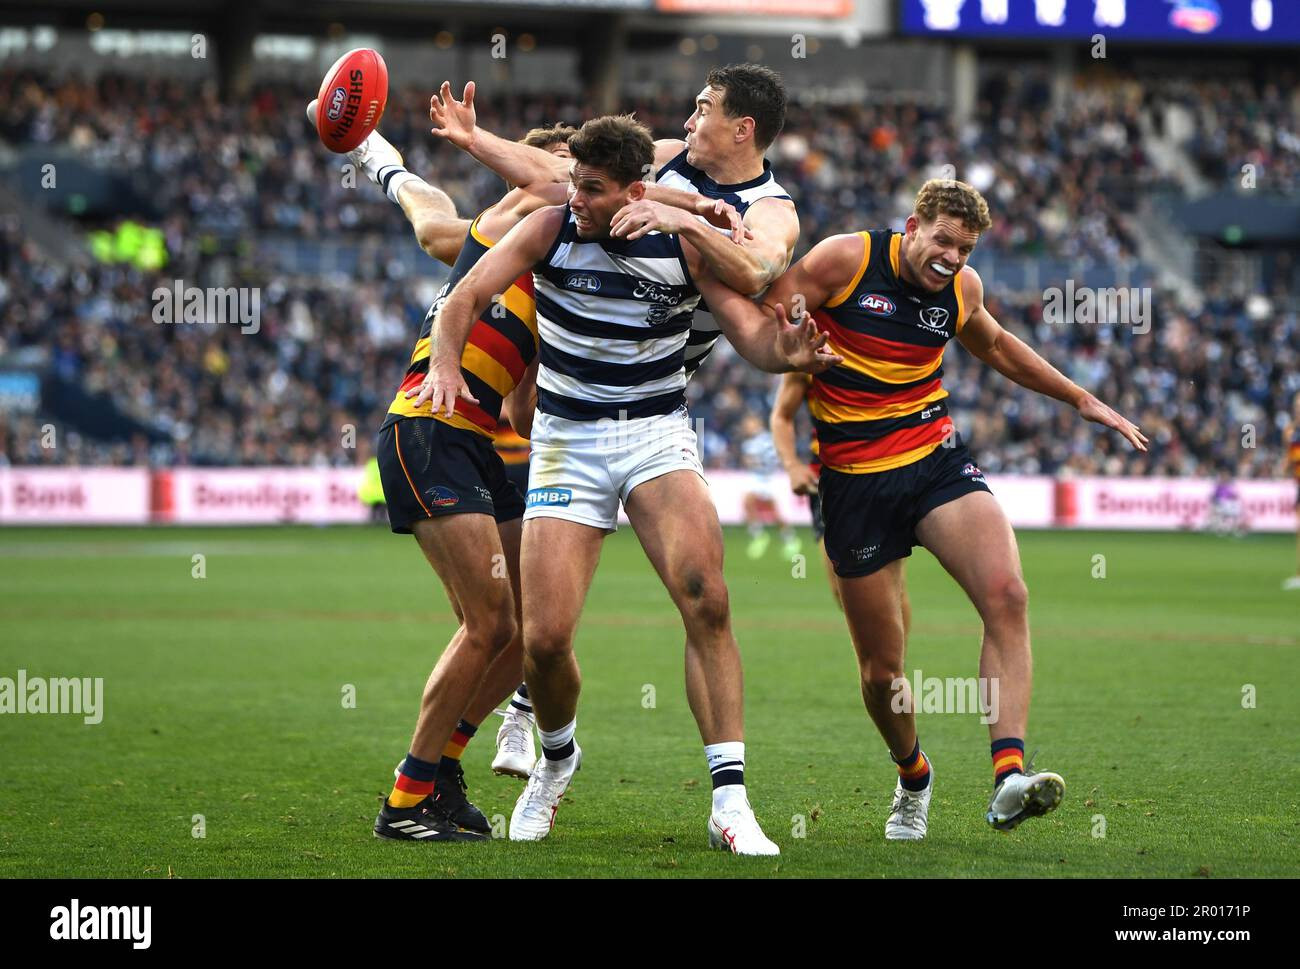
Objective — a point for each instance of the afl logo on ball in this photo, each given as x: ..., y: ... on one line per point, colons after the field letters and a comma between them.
x: 337, y: 100
x: 875, y: 303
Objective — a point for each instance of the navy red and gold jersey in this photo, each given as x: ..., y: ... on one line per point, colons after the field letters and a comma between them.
x: 884, y: 406
x: 501, y: 345
x: 512, y: 448
x: 1293, y: 451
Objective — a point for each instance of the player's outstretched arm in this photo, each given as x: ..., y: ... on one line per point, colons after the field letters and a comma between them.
x: 789, y: 398
x: 457, y: 122
x: 1010, y: 356
x: 521, y: 249
x: 765, y: 337
x: 824, y: 273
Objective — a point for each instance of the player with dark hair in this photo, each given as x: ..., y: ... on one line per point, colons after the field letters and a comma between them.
x: 445, y: 483
x: 895, y: 474
x: 613, y: 317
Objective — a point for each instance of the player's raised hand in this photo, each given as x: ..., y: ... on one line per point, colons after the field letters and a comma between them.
x: 454, y: 120
x: 443, y: 385
x: 802, y: 344
x: 1091, y: 409
x: 724, y: 215
x: 639, y: 218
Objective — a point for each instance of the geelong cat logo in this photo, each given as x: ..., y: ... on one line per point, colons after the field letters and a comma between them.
x: 875, y: 303
x: 338, y: 98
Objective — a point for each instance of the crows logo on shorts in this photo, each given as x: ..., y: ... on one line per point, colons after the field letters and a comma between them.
x: 440, y: 497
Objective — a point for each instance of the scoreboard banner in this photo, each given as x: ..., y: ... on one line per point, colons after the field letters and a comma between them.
x: 1185, y: 21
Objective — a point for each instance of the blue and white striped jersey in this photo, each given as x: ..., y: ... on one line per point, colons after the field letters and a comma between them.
x: 687, y: 178
x: 612, y: 320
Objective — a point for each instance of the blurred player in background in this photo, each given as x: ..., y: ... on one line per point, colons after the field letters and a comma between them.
x: 790, y: 398
x: 895, y: 474
x: 613, y: 317
x: 1292, y: 584
x: 1227, y: 514
x: 760, y: 504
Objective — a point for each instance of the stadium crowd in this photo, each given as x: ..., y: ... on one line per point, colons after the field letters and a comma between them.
x: 329, y: 352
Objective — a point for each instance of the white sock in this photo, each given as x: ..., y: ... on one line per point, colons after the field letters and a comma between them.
x: 391, y: 178
x: 553, y: 740
x: 726, y: 761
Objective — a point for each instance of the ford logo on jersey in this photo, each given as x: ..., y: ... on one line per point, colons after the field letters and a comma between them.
x: 583, y: 281
x: 549, y: 496
x: 875, y: 303
x: 338, y: 98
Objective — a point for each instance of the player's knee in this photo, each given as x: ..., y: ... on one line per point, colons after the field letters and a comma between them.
x: 1006, y: 599
x: 492, y: 631
x: 704, y: 598
x: 880, y: 681
x: 545, y: 644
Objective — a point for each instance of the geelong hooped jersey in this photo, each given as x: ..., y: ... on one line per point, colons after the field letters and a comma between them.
x: 884, y: 406
x: 501, y: 346
x: 612, y: 321
x: 687, y: 178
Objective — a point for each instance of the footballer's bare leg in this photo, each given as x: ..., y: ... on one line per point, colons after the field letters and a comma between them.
x: 462, y: 549
x: 677, y: 523
x: 516, y: 751
x: 973, y: 540
x: 875, y: 606
x: 432, y: 214
x: 430, y: 210
x: 556, y: 562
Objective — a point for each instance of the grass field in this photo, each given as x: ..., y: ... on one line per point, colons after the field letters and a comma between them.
x: 223, y: 697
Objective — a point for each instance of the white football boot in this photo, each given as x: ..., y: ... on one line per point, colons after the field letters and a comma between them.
x: 734, y: 828
x: 1291, y: 584
x: 516, y: 753
x: 909, y: 815
x: 534, y: 813
x: 373, y: 155
x: 1028, y: 795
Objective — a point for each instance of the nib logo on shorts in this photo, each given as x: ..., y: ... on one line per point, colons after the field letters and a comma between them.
x: 969, y: 470
x: 550, y: 497
x: 441, y: 497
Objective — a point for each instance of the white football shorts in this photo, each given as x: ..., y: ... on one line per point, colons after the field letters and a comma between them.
x: 581, y: 470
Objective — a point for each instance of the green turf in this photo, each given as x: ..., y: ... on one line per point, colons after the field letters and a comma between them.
x: 223, y: 698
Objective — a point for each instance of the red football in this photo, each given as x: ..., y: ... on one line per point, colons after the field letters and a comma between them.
x: 352, y: 99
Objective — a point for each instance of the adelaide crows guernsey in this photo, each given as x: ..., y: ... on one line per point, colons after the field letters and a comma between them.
x: 502, y: 344
x: 885, y: 405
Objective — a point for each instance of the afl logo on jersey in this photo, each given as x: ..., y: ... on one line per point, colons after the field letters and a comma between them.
x: 875, y: 303
x: 934, y: 318
x: 583, y: 281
